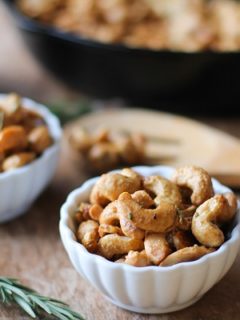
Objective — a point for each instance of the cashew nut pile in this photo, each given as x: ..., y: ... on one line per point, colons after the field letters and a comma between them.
x: 143, y: 221
x: 178, y: 25
x: 24, y: 134
x: 104, y: 150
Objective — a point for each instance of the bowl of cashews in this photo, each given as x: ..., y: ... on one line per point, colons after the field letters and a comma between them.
x: 29, y: 150
x: 152, y: 239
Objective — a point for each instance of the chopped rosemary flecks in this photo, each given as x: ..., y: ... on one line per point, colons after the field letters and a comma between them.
x: 130, y: 216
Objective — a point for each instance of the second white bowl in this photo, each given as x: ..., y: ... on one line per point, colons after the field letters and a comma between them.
x: 147, y: 289
x: 20, y: 187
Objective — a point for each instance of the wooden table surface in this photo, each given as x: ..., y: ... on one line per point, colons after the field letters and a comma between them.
x: 30, y: 247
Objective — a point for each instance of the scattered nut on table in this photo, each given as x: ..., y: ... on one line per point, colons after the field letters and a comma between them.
x: 123, y: 222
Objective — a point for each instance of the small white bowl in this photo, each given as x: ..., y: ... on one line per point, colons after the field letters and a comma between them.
x: 148, y: 289
x: 20, y: 187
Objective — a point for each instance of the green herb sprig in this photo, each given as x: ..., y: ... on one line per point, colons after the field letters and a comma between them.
x: 34, y: 304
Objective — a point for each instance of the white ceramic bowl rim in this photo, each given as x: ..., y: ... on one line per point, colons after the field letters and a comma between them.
x: 70, y: 236
x: 54, y: 127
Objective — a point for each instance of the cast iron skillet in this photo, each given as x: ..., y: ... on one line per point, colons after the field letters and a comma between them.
x: 202, y: 81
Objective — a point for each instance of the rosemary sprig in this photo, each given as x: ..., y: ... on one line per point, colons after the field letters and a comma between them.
x: 34, y: 304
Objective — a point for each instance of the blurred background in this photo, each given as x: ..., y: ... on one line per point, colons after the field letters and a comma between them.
x: 19, y: 71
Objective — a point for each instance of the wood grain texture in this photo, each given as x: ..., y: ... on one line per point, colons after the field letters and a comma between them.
x: 31, y: 250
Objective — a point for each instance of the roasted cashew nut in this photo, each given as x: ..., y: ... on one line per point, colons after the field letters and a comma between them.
x: 182, y: 239
x: 185, y: 255
x: 160, y: 219
x: 95, y: 212
x: 108, y: 229
x: 87, y: 234
x: 232, y: 205
x: 13, y: 137
x: 184, y: 217
x: 163, y: 189
x: 196, y: 179
x: 111, y: 216
x: 156, y: 247
x: 39, y: 139
x: 18, y: 160
x: 204, y: 224
x: 111, y: 185
x: 143, y: 199
x: 137, y: 259
x: 113, y: 244
x: 82, y: 212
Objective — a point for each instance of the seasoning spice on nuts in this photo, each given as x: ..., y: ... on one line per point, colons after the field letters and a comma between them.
x: 24, y: 134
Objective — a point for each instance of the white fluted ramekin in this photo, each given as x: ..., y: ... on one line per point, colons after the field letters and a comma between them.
x: 21, y: 186
x: 148, y: 289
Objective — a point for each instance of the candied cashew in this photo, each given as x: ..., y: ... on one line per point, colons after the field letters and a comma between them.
x: 18, y: 160
x: 195, y: 179
x: 143, y: 199
x: 87, y: 234
x: 95, y: 211
x: 121, y: 260
x: 13, y: 137
x: 111, y: 215
x: 184, y: 217
x: 206, y: 219
x: 82, y: 212
x: 182, y: 240
x: 111, y: 185
x: 39, y: 139
x: 11, y: 107
x: 232, y: 205
x: 109, y: 229
x: 163, y: 189
x: 185, y: 255
x: 10, y: 104
x: 137, y: 259
x: 113, y: 244
x: 156, y: 247
x: 160, y: 219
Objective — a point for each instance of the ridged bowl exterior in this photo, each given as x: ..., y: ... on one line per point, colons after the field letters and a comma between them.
x: 149, y: 289
x: 20, y: 187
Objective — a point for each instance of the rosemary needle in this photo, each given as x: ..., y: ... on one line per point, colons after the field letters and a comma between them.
x: 34, y: 304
